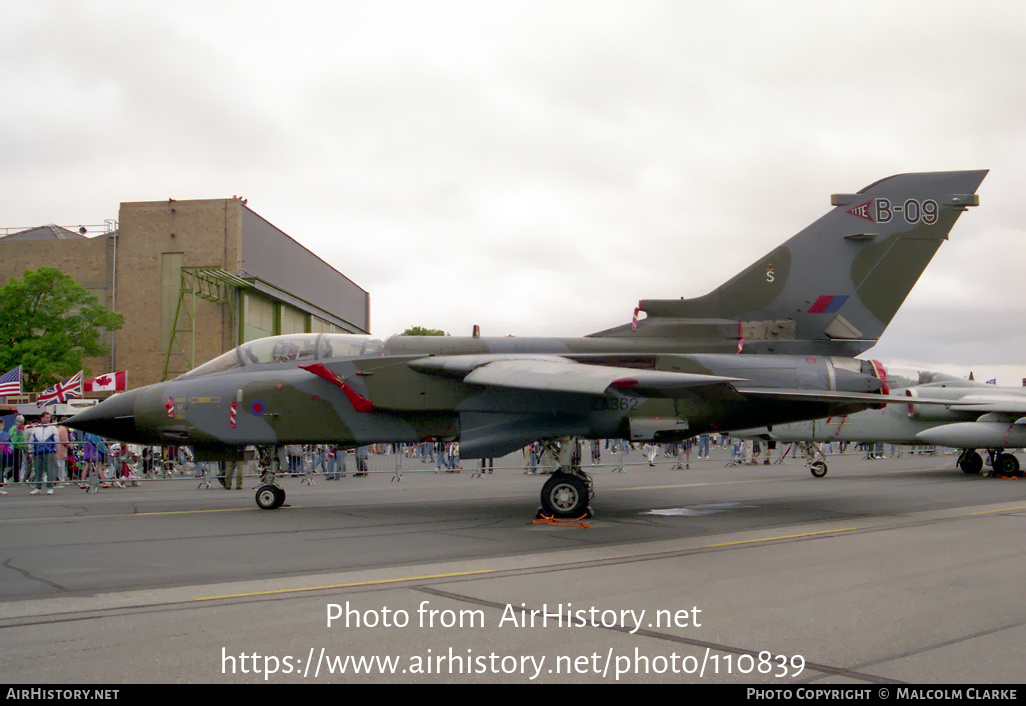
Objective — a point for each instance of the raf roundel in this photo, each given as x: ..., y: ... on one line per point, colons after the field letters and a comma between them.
x: 257, y: 408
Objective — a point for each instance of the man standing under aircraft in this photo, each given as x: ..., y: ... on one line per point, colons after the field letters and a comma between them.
x: 233, y: 473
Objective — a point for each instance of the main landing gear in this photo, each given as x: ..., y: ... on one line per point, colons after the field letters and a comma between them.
x: 1004, y: 464
x: 814, y: 458
x: 970, y: 462
x: 270, y: 495
x: 568, y: 492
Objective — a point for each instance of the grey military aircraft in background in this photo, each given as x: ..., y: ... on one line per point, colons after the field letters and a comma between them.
x: 976, y: 416
x: 826, y: 294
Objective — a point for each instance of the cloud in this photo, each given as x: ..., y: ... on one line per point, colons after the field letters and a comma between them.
x: 533, y: 167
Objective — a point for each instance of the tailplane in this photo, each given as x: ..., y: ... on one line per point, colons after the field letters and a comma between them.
x: 834, y: 287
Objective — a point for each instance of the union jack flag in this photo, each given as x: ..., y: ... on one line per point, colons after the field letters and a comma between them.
x: 61, y: 392
x: 10, y: 382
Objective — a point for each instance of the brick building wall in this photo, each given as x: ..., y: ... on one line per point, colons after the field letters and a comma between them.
x: 200, y: 233
x: 138, y: 273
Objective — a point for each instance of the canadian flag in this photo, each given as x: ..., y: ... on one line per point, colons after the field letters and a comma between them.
x: 112, y: 382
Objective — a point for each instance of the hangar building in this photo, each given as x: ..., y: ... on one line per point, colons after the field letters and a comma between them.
x: 192, y: 279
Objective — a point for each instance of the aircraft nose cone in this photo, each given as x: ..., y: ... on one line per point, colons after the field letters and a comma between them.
x: 114, y: 418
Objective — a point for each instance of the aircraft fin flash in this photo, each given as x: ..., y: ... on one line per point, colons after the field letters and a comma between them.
x: 833, y: 287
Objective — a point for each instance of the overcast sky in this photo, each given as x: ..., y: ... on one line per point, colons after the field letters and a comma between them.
x: 537, y: 167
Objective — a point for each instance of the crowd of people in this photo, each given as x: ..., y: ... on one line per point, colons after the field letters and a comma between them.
x: 46, y: 453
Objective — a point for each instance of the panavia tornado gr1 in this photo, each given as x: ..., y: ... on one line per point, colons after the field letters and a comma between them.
x: 770, y: 346
x: 977, y: 416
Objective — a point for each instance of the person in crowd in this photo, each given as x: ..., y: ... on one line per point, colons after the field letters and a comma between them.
x: 93, y: 452
x: 361, y: 461
x: 6, y: 457
x: 42, y: 445
x: 703, y: 446
x: 20, y: 466
x: 63, y: 446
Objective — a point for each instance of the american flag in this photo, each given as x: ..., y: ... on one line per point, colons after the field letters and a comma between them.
x: 10, y: 382
x: 61, y: 392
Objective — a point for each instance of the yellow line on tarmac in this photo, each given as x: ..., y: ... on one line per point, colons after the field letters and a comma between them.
x: 991, y: 512
x: 191, y: 512
x: 657, y: 487
x: 786, y: 536
x: 344, y: 585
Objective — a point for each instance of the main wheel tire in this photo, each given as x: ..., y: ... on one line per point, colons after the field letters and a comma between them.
x: 269, y: 497
x: 818, y: 469
x: 970, y: 462
x: 1006, y: 465
x: 564, y: 496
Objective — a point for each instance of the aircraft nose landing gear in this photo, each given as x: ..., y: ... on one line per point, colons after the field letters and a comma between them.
x: 270, y: 497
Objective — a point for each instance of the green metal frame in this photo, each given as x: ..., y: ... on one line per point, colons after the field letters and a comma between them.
x: 214, y: 285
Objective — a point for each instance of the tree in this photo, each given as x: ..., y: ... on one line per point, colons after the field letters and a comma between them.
x: 421, y: 331
x: 48, y: 323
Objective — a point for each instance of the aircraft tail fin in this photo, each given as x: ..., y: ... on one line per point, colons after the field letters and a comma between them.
x: 835, y: 286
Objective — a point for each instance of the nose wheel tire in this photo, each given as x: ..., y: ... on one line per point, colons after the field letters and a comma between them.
x: 818, y: 469
x: 269, y: 497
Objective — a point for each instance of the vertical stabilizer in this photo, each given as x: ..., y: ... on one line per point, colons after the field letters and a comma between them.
x: 835, y: 286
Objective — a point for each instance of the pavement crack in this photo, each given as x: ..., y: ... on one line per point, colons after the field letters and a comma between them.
x: 32, y: 577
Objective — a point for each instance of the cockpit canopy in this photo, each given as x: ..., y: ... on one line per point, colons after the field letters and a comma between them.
x: 898, y: 376
x: 288, y: 348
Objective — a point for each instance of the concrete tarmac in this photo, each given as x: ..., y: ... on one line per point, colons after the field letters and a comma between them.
x: 887, y: 571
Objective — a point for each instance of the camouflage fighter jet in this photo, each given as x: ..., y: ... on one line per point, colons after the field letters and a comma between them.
x: 829, y: 291
x: 976, y: 416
